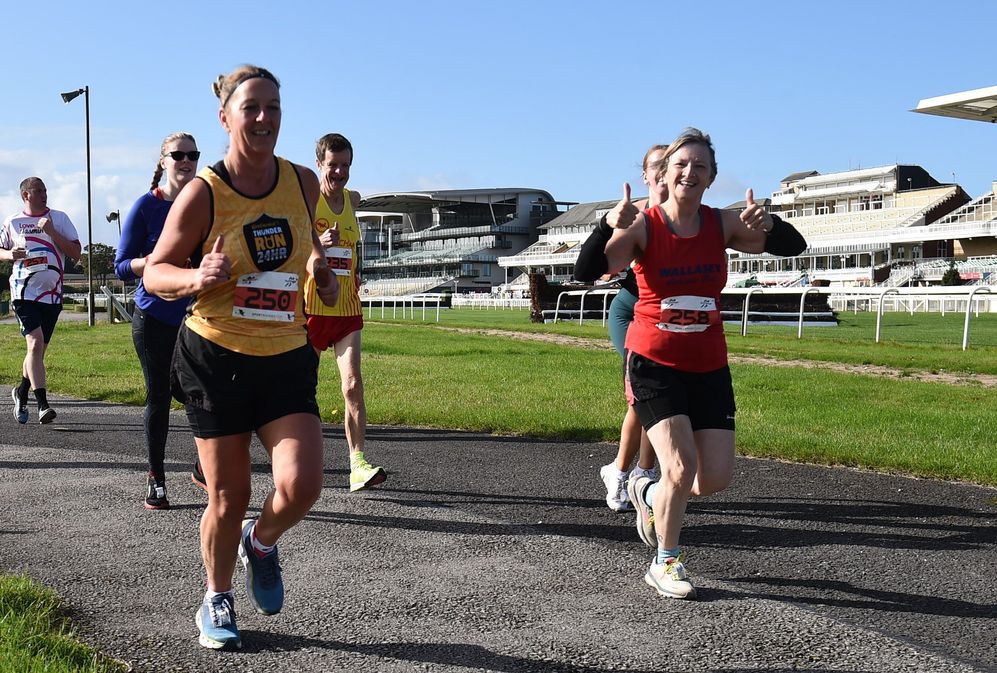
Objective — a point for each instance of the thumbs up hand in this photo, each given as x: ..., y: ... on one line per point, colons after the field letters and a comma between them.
x: 215, y: 266
x: 623, y: 213
x: 330, y: 237
x: 753, y: 215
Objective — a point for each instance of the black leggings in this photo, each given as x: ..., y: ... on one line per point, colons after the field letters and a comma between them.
x: 154, y: 341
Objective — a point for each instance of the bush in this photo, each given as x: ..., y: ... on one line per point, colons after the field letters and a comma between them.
x: 951, y: 276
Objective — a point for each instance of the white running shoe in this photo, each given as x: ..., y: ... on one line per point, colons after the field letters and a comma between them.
x: 616, y: 488
x: 670, y: 579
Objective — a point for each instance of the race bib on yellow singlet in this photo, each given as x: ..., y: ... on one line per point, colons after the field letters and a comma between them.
x: 340, y: 260
x: 269, y: 295
x: 688, y: 313
x: 35, y: 261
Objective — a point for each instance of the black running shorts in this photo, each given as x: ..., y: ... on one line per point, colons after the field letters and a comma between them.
x: 658, y: 392
x: 229, y: 393
x: 34, y: 314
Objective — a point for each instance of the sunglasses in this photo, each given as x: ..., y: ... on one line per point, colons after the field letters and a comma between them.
x: 177, y: 156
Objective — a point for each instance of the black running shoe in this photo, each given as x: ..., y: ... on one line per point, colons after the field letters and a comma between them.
x: 46, y: 415
x: 156, y: 495
x: 197, y: 475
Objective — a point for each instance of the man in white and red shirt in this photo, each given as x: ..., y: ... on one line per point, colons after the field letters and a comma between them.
x: 36, y: 240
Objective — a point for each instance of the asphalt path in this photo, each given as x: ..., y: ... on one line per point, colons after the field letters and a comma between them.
x: 498, y: 553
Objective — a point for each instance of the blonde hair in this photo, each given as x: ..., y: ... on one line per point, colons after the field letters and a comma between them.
x: 173, y: 137
x: 225, y: 85
x: 689, y: 136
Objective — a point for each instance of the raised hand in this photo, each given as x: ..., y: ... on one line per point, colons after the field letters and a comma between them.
x: 215, y: 266
x: 623, y: 213
x: 330, y: 237
x: 753, y: 215
x: 45, y: 224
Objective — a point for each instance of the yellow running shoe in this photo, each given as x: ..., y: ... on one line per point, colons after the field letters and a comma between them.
x: 363, y: 474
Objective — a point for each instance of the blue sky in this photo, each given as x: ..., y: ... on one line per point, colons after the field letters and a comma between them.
x: 559, y: 95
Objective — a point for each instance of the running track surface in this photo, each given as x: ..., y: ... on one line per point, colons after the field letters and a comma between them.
x: 499, y: 554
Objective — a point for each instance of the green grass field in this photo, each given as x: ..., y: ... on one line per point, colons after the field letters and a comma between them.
x: 417, y: 374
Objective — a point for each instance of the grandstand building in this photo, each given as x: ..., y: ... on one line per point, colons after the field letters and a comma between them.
x: 890, y: 226
x: 446, y: 240
x: 556, y: 249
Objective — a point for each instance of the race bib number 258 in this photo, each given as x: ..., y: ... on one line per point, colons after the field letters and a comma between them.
x: 268, y: 295
x: 688, y: 313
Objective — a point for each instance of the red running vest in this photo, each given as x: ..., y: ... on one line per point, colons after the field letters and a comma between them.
x: 677, y: 319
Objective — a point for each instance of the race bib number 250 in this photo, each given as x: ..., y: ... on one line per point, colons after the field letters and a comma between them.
x: 688, y: 313
x: 268, y: 295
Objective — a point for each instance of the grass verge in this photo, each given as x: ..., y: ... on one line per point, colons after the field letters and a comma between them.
x: 35, y: 636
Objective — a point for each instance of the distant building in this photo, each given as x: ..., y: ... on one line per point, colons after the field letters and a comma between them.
x: 446, y: 239
x: 556, y: 250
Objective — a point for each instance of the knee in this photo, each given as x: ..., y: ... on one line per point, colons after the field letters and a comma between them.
x: 230, y: 504
x: 680, y: 472
x: 302, y: 490
x: 353, y: 389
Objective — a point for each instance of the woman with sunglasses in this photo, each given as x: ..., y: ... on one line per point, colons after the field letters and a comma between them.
x: 243, y: 363
x: 155, y: 321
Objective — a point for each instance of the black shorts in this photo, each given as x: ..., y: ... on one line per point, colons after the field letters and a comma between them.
x: 658, y: 392
x: 34, y: 314
x: 229, y: 393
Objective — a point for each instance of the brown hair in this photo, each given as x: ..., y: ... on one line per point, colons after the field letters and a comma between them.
x: 27, y: 182
x: 225, y: 85
x: 332, y: 142
x: 158, y: 173
x: 647, y: 155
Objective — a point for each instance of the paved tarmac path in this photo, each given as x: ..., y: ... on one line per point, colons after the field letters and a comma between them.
x: 499, y: 554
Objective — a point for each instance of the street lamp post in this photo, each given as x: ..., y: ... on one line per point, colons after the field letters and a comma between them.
x: 115, y: 216
x: 66, y: 98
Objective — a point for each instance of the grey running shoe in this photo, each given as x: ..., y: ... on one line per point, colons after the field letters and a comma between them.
x: 670, y: 579
x: 263, y: 579
x: 20, y: 407
x: 636, y: 487
x: 46, y: 415
x: 216, y: 621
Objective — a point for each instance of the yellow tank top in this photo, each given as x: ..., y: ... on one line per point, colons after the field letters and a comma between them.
x: 259, y: 310
x: 342, y: 260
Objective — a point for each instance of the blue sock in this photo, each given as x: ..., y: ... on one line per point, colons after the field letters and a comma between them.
x: 649, y: 493
x: 665, y: 554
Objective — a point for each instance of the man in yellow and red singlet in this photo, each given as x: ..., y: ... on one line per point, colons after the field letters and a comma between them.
x: 338, y: 327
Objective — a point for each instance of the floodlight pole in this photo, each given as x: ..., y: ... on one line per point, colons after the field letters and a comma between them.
x: 66, y: 98
x: 90, y: 299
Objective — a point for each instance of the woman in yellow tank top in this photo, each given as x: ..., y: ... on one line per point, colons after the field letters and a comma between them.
x: 243, y: 363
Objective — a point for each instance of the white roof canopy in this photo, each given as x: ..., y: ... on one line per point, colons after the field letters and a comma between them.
x: 977, y: 105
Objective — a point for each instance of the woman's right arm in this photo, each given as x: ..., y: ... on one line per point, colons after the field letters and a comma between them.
x: 187, y: 225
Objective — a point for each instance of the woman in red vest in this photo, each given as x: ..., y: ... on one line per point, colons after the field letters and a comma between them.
x: 677, y: 373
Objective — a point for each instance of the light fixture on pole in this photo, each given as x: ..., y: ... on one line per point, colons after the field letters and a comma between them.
x: 66, y: 98
x: 115, y: 216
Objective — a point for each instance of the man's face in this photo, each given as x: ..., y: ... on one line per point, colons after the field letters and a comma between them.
x: 36, y: 198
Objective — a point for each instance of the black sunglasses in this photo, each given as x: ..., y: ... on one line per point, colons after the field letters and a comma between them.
x: 178, y: 155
